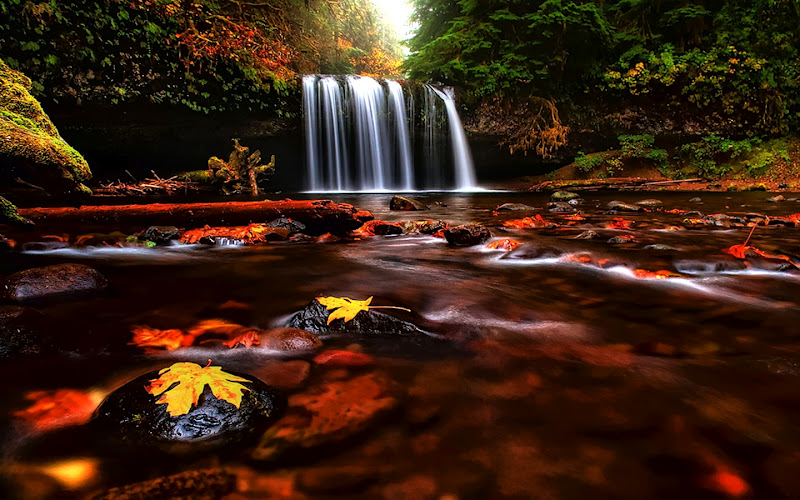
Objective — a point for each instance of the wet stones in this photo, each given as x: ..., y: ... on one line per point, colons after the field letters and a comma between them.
x: 22, y: 332
x: 406, y: 204
x: 292, y: 226
x: 161, y: 235
x: 431, y: 226
x: 622, y: 239
x: 314, y: 318
x: 564, y: 196
x: 650, y: 203
x: 132, y: 415
x: 328, y: 413
x: 559, y: 206
x: 776, y: 199
x: 288, y: 340
x: 467, y: 235
x: 511, y: 207
x: 588, y: 235
x: 190, y: 484
x: 61, y: 280
x: 621, y: 206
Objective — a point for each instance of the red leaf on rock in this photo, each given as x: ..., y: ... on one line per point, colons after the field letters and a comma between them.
x: 643, y: 273
x: 245, y: 340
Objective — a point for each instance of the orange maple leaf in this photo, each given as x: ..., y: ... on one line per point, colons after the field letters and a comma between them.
x: 504, y: 244
x: 246, y: 340
x: 179, y: 386
x: 529, y: 223
x: 643, y: 273
x: 619, y: 223
x: 154, y: 339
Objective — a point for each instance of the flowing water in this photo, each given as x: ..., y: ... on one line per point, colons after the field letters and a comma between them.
x: 558, y: 370
x: 360, y: 136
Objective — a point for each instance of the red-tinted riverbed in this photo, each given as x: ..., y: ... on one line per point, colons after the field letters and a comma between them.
x: 566, y: 372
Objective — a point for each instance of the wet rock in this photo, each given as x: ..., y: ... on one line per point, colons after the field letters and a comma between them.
x: 532, y: 252
x: 559, y: 206
x: 650, y: 203
x: 23, y: 332
x: 425, y: 226
x: 621, y: 206
x: 131, y: 414
x: 283, y: 375
x: 622, y: 239
x: 509, y: 207
x: 588, y: 235
x: 161, y: 235
x: 660, y: 247
x: 575, y: 201
x: 467, y: 235
x: 198, y: 484
x: 43, y: 246
x: 564, y: 196
x: 314, y: 318
x: 292, y: 226
x: 56, y: 281
x: 776, y: 199
x: 328, y: 413
x: 378, y: 228
x: 406, y: 204
x: 336, y: 479
x: 783, y: 185
x: 696, y: 200
x: 289, y: 339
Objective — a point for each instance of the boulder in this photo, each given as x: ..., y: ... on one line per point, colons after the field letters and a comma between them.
x: 621, y: 206
x: 289, y: 339
x: 161, y: 235
x: 133, y: 416
x: 406, y: 204
x: 30, y: 144
x: 431, y: 226
x: 510, y: 207
x: 290, y: 225
x: 467, y: 235
x: 23, y: 332
x: 8, y: 212
x: 776, y: 199
x: 564, y: 196
x: 328, y: 413
x: 650, y: 203
x: 61, y: 280
x: 560, y: 206
x: 314, y: 318
x: 588, y: 235
x: 622, y: 239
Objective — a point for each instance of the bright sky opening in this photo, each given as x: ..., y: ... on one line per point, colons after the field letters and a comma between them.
x: 397, y: 13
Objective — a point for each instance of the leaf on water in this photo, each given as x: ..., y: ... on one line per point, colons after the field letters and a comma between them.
x: 504, y: 244
x: 246, y: 340
x: 154, y: 339
x: 347, y: 309
x: 620, y: 223
x: 59, y: 408
x: 530, y: 223
x: 643, y: 273
x: 180, y: 386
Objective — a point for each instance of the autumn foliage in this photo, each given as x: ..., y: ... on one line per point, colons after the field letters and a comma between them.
x: 181, y: 385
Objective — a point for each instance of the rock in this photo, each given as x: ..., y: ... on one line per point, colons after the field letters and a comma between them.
x: 559, y: 206
x: 621, y: 206
x: 660, y: 247
x: 43, y: 246
x: 314, y: 318
x: 283, y: 375
x: 564, y: 196
x: 467, y: 235
x: 783, y: 185
x: 30, y: 145
x: 587, y: 235
x: 425, y: 226
x: 290, y: 225
x: 328, y: 413
x: 378, y: 228
x: 406, y: 204
x: 509, y: 207
x: 775, y: 199
x: 650, y: 203
x: 53, y: 282
x: 289, y: 339
x: 575, y: 201
x: 131, y: 414
x: 22, y: 332
x: 161, y: 235
x: 622, y: 239
x: 198, y: 484
x: 696, y: 200
x: 8, y: 211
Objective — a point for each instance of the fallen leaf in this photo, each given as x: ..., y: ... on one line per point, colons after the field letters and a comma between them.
x: 60, y: 408
x: 530, y: 223
x: 506, y: 244
x: 347, y: 309
x: 729, y: 483
x: 620, y: 223
x: 247, y: 235
x: 154, y: 339
x: 246, y: 340
x: 643, y: 273
x: 180, y: 386
x: 214, y: 326
x: 377, y: 227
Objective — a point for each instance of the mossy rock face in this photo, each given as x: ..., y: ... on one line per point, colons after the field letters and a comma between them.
x: 30, y: 146
x: 9, y: 215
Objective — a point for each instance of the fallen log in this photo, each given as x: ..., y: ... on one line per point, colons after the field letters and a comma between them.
x: 319, y: 216
x: 589, y: 184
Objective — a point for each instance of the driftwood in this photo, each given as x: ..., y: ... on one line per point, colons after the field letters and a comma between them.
x: 320, y: 216
x: 151, y: 186
x: 610, y: 183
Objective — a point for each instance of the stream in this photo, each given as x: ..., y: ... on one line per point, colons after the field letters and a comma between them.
x: 564, y: 368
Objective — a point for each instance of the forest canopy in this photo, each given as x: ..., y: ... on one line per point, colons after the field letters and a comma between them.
x: 208, y: 55
x: 732, y: 63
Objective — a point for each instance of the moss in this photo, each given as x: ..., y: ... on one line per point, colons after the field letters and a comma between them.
x: 755, y: 187
x: 30, y: 142
x: 9, y: 215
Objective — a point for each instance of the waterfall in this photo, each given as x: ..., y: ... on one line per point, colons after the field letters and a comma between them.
x: 361, y: 135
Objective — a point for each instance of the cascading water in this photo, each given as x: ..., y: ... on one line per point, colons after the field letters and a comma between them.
x: 360, y: 134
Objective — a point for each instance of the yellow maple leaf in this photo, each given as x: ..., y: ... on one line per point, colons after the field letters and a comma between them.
x: 347, y: 309
x: 180, y: 386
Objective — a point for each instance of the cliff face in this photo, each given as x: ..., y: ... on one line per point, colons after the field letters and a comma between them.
x: 30, y: 146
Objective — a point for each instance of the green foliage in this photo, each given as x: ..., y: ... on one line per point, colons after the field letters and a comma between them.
x: 710, y: 157
x: 588, y: 163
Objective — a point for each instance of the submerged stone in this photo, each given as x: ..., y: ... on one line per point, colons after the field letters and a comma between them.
x: 314, y: 318
x: 289, y: 339
x: 621, y: 206
x: 587, y: 235
x: 404, y: 203
x: 560, y: 206
x: 56, y: 281
x: 467, y: 235
x: 510, y: 207
x: 650, y: 203
x: 132, y: 415
x: 431, y: 226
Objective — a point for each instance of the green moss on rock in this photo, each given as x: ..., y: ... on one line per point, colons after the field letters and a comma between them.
x: 9, y: 215
x: 29, y: 142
